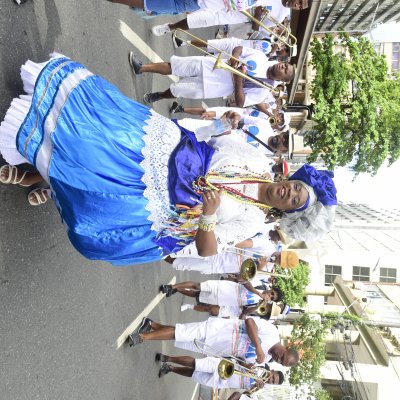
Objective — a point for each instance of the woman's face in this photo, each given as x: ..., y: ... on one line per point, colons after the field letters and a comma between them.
x: 286, y: 195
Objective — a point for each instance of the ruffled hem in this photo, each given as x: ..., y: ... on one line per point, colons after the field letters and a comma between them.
x: 161, y: 138
x: 18, y: 110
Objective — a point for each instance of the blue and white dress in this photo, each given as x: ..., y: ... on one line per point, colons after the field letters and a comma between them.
x: 114, y: 166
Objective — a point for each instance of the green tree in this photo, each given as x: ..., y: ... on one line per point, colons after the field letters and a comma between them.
x: 308, y: 339
x: 294, y: 288
x: 355, y: 101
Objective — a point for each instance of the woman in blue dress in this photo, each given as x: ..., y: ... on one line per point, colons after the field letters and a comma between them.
x: 125, y: 179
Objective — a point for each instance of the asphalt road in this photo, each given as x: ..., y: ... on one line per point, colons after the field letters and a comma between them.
x: 60, y: 313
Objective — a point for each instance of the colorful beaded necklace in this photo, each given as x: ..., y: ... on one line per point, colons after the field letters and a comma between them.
x: 217, y: 180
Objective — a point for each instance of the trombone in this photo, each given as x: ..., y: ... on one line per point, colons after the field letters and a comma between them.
x: 285, y: 37
x: 220, y: 64
x: 248, y: 268
x: 228, y: 367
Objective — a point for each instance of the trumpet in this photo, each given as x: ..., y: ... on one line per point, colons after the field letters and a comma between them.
x: 228, y: 367
x: 285, y: 37
x: 220, y: 64
x: 272, y: 120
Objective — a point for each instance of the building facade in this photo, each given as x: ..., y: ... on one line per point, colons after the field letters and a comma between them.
x: 356, y: 15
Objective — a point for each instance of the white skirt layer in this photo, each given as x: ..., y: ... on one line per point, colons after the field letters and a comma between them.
x: 17, y: 112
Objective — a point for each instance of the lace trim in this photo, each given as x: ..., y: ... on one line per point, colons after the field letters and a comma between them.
x: 161, y: 138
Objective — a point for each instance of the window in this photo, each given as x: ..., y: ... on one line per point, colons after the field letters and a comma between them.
x: 331, y: 272
x: 395, y: 57
x: 361, y: 274
x: 387, y: 275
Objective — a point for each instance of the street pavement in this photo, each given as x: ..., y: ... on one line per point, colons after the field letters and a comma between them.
x: 60, y: 313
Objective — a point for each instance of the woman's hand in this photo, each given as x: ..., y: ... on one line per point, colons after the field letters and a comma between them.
x: 211, y: 201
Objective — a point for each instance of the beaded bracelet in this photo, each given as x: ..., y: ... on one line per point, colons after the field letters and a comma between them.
x: 207, y: 223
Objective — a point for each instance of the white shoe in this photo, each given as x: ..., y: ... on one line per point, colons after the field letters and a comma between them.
x: 185, y: 307
x: 219, y: 34
x: 160, y: 30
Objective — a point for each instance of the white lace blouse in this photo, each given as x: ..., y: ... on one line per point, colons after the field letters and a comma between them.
x: 236, y: 221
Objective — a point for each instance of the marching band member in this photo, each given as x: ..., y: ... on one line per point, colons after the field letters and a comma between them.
x: 205, y: 372
x: 199, y: 79
x: 253, y: 339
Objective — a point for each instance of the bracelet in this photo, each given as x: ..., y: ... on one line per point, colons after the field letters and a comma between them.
x: 207, y: 227
x: 207, y: 223
x: 208, y: 219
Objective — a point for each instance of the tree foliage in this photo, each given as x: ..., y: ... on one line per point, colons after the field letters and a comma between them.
x: 355, y: 104
x: 294, y: 288
x: 308, y: 339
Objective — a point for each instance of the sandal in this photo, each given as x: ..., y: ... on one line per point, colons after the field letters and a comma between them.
x: 12, y: 175
x: 40, y: 196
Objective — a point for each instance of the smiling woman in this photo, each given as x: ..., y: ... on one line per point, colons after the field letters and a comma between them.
x: 134, y: 187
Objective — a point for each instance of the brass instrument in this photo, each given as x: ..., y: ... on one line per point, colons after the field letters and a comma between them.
x: 272, y: 120
x: 285, y: 37
x: 228, y: 367
x: 248, y: 268
x: 220, y: 64
x: 262, y: 308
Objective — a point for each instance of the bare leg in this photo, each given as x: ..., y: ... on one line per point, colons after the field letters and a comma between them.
x: 167, y: 94
x: 182, y: 24
x: 183, y: 371
x: 188, y: 292
x: 187, y: 285
x: 194, y: 110
x: 162, y: 68
x: 210, y: 308
x: 186, y: 361
x: 130, y: 3
x: 164, y: 333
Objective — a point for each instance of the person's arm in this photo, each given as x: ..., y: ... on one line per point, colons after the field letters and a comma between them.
x: 240, y: 97
x: 252, y: 333
x: 246, y: 244
x: 248, y: 311
x: 258, y: 14
x: 251, y: 289
x: 265, y: 108
x: 206, y: 242
x: 235, y: 396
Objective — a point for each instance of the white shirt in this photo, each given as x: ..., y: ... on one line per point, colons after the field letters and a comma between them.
x: 230, y: 335
x: 219, y: 82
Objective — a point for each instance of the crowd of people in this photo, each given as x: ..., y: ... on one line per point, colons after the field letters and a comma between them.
x: 136, y: 187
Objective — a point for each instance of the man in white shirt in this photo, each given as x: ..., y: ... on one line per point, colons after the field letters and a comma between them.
x: 253, y: 339
x: 199, y: 79
x: 211, y: 13
x: 205, y: 372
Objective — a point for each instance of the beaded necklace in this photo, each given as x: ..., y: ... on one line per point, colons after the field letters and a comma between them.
x: 218, y: 179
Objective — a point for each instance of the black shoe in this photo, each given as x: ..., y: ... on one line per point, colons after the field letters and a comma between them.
x: 134, y: 339
x: 151, y: 97
x: 176, y: 108
x: 164, y: 370
x: 145, y: 326
x: 135, y: 63
x: 167, y: 290
x: 161, y: 357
